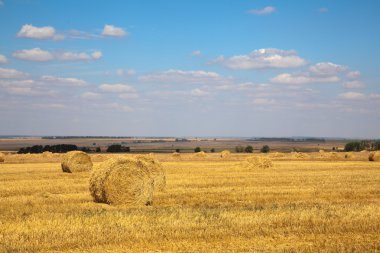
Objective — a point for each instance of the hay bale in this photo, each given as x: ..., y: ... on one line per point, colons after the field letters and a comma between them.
x: 176, y: 155
x: 374, y: 156
x: 200, y: 154
x: 76, y: 161
x: 349, y: 155
x: 225, y: 154
x: 156, y: 171
x: 257, y: 162
x: 2, y: 157
x: 47, y: 154
x: 122, y: 181
x: 334, y: 156
x: 299, y: 155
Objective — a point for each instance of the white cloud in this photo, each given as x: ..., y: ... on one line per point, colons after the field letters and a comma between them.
x: 45, y: 32
x: 303, y: 79
x: 132, y: 95
x: 199, y: 93
x: 117, y: 88
x: 352, y: 96
x: 64, y: 81
x: 263, y: 58
x: 11, y: 73
x: 25, y: 88
x: 354, y: 85
x: 90, y: 95
x: 264, y: 11
x: 37, y: 54
x: 3, y: 59
x: 113, y: 31
x: 196, y: 53
x: 327, y: 69
x: 186, y: 77
x: 353, y: 74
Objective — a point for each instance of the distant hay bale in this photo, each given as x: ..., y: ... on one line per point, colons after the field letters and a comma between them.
x: 176, y: 155
x: 321, y: 151
x: 374, y: 156
x: 299, y: 155
x: 225, y: 154
x: 349, y: 155
x: 201, y: 154
x: 257, y: 162
x: 47, y: 154
x: 277, y: 155
x: 76, y: 161
x: 122, y: 181
x: 156, y: 171
x: 334, y: 156
x: 2, y: 157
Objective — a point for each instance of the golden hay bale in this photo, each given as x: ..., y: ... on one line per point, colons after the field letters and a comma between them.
x: 374, y: 156
x: 349, y: 155
x: 122, y: 181
x: 299, y: 155
x: 176, y: 155
x: 156, y: 171
x: 2, y: 158
x: 47, y: 154
x: 225, y: 154
x: 201, y: 154
x: 257, y: 162
x: 321, y: 151
x: 76, y: 161
x: 334, y: 156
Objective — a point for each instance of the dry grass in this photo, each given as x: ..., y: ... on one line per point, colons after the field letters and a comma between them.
x: 209, y: 206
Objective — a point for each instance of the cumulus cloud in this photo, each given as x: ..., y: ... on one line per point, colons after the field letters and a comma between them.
x: 113, y: 31
x: 352, y: 96
x: 34, y: 54
x: 117, y: 88
x: 37, y: 54
x: 3, y: 59
x: 91, y: 95
x: 11, y: 73
x: 196, y: 53
x: 323, y: 72
x: 264, y: 11
x: 354, y: 84
x: 263, y: 58
x: 353, y: 74
x: 24, y: 88
x: 185, y: 77
x: 64, y: 81
x: 40, y: 33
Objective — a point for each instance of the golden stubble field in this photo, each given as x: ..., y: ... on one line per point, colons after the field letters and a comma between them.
x: 210, y: 205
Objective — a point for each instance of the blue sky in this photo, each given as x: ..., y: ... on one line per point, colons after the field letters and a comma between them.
x: 190, y: 68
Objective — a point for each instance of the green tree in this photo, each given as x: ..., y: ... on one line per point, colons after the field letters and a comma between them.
x: 248, y: 149
x: 197, y: 149
x: 265, y: 149
x: 177, y: 150
x: 239, y: 149
x: 352, y: 146
x: 212, y: 150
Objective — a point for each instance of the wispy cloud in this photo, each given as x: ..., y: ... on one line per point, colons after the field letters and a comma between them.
x: 113, y: 31
x: 37, y: 54
x: 264, y: 11
x: 11, y: 73
x: 3, y: 59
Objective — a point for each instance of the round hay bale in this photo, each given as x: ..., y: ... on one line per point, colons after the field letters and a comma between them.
x: 156, y: 171
x: 47, y: 154
x: 334, y: 156
x: 122, y: 181
x: 76, y: 161
x: 201, y: 154
x: 374, y: 156
x: 225, y: 154
x: 257, y: 162
x: 349, y: 155
x: 2, y: 157
x: 176, y: 155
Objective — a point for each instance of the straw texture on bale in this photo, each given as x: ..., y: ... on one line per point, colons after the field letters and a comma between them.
x: 374, y: 156
x: 76, y: 161
x: 201, y: 154
x: 225, y: 154
x: 257, y: 162
x: 155, y: 170
x: 2, y: 158
x: 122, y: 181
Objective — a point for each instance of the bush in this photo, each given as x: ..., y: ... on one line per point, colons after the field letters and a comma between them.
x: 265, y: 149
x: 98, y: 150
x: 248, y: 149
x: 239, y: 149
x: 197, y: 149
x: 376, y: 145
x: 177, y: 150
x: 212, y: 150
x: 117, y: 148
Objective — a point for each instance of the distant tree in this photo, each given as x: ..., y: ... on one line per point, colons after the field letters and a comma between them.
x: 197, y: 149
x: 376, y: 145
x: 212, y: 150
x: 248, y: 149
x: 117, y: 148
x: 333, y: 148
x: 265, y: 149
x: 352, y: 146
x: 85, y: 149
x: 239, y: 149
x: 98, y: 150
x: 178, y: 150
